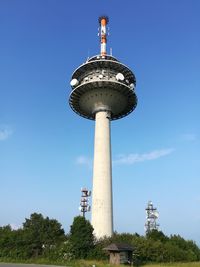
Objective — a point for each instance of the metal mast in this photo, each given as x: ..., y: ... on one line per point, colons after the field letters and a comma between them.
x: 151, y: 217
x: 84, y: 204
x: 103, y: 21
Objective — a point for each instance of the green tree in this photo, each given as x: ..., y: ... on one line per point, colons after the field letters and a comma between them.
x: 81, y: 237
x: 191, y: 250
x: 5, y: 240
x: 41, y: 234
x: 157, y: 235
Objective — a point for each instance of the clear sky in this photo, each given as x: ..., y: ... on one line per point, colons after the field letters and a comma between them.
x: 46, y: 150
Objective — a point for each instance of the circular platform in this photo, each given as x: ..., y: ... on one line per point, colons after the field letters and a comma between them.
x: 103, y: 83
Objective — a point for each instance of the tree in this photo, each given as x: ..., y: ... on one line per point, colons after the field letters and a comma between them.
x: 157, y: 235
x: 41, y: 234
x: 81, y: 237
x: 5, y: 240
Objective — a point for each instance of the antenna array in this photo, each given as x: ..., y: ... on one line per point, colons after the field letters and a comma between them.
x: 151, y: 217
x: 84, y: 204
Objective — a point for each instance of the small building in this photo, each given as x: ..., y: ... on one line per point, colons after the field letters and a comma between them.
x: 120, y: 253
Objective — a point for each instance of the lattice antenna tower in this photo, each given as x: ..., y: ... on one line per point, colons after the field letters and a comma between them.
x: 84, y: 204
x: 151, y: 218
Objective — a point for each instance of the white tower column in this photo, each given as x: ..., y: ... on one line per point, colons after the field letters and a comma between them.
x: 102, y: 210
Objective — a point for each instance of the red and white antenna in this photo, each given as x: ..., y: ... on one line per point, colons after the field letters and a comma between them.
x: 103, y: 21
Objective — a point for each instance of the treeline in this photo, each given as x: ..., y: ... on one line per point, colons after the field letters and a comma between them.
x: 44, y: 238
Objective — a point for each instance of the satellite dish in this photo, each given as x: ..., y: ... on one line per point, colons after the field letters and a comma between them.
x: 74, y: 82
x: 156, y: 214
x: 120, y: 76
x: 132, y: 86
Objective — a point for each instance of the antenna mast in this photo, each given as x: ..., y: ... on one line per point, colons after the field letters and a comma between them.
x: 151, y: 217
x: 84, y: 204
x: 103, y: 21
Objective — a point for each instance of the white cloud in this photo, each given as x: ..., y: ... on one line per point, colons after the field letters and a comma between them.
x: 5, y: 132
x: 129, y: 159
x: 83, y: 160
x: 134, y: 158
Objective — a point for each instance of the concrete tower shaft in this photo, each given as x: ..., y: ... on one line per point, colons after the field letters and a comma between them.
x: 102, y: 206
x: 103, y: 89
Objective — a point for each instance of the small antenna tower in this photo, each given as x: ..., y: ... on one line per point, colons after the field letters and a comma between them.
x: 151, y: 217
x: 84, y: 204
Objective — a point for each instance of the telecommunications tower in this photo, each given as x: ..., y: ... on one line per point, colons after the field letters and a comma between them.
x: 102, y: 90
x: 151, y: 217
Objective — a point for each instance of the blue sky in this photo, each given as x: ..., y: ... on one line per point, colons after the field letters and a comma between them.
x: 46, y: 150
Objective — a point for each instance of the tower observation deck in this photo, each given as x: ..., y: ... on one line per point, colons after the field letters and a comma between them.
x: 103, y: 89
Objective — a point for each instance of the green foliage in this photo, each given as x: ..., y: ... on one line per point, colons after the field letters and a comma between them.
x: 41, y: 234
x: 157, y: 235
x: 81, y: 237
x: 42, y: 240
x: 37, y: 235
x: 155, y: 247
x: 61, y: 253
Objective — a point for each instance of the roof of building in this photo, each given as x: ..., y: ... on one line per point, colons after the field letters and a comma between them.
x: 119, y: 247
